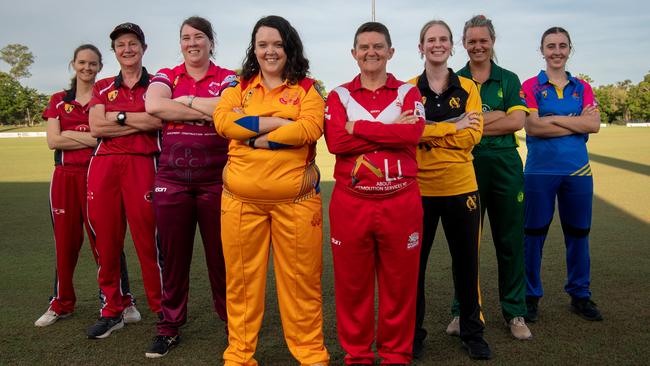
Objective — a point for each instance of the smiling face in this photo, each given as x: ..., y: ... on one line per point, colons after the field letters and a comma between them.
x: 128, y: 50
x: 436, y: 45
x: 372, y: 52
x: 195, y: 46
x: 479, y: 44
x: 556, y: 48
x: 269, y: 51
x: 86, y: 65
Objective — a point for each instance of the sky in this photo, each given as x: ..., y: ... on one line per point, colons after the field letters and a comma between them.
x: 611, y: 38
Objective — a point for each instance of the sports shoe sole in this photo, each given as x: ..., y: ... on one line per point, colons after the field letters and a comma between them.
x: 156, y: 355
x: 117, y: 326
x: 577, y: 312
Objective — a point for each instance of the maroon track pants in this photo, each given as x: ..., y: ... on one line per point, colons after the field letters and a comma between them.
x: 179, y: 207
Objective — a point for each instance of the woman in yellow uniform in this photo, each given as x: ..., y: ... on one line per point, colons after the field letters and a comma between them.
x: 271, y: 195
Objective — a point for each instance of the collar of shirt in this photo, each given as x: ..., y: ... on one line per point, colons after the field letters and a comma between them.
x: 391, y: 83
x: 257, y: 82
x: 212, y: 71
x: 496, y: 72
x: 542, y: 78
x: 452, y: 82
x: 143, y: 82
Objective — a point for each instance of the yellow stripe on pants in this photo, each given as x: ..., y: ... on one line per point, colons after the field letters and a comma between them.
x: 295, y: 232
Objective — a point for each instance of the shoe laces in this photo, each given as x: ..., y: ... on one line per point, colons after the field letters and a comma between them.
x: 518, y: 321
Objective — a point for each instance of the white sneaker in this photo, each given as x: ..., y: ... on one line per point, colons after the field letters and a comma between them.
x: 49, y: 318
x: 131, y: 314
x: 519, y: 329
x: 453, y: 329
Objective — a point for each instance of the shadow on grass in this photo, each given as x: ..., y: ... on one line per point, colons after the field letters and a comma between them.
x: 620, y: 268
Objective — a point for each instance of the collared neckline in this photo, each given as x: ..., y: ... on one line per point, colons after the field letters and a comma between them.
x: 542, y: 77
x: 391, y: 83
x: 452, y: 81
x: 143, y: 82
x: 212, y: 70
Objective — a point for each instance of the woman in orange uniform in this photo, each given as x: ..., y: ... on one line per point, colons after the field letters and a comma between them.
x: 271, y: 195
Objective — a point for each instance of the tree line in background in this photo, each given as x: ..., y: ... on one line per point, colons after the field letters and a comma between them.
x: 19, y: 105
x: 619, y: 103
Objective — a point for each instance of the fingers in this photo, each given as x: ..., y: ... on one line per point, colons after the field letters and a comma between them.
x: 407, y: 117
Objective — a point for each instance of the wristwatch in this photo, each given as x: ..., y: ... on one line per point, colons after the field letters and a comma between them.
x: 121, y: 118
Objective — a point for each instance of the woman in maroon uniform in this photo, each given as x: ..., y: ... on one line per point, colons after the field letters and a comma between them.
x: 188, y: 183
x: 68, y: 135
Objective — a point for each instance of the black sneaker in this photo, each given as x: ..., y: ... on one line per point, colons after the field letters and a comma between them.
x: 585, y: 308
x: 104, y: 327
x: 532, y: 305
x: 161, y: 346
x: 478, y: 349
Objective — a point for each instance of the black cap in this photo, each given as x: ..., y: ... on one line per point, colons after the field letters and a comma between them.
x: 128, y: 28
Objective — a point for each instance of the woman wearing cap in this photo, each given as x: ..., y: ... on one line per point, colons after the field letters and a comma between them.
x: 69, y: 135
x: 188, y: 182
x: 271, y: 195
x: 563, y: 113
x: 499, y: 171
x: 120, y: 177
x: 448, y: 183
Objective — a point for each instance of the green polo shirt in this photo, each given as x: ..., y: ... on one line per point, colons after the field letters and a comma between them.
x: 500, y: 92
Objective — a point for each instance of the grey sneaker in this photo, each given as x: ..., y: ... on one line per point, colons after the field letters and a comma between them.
x: 519, y: 329
x: 49, y: 318
x: 131, y: 314
x: 453, y: 329
x: 104, y: 327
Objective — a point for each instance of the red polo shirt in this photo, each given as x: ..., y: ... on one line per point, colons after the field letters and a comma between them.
x: 117, y: 97
x: 72, y: 116
x: 191, y: 150
x: 379, y: 157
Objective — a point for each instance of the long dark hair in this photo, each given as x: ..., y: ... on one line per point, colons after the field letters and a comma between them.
x: 297, y: 65
x: 87, y: 46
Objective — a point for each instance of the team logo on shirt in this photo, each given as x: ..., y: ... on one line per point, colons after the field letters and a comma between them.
x: 82, y: 128
x: 289, y: 97
x: 175, y: 80
x: 68, y: 107
x: 576, y: 95
x: 362, y: 161
x: 486, y: 108
x: 454, y: 102
x: 500, y: 93
x: 472, y: 203
x: 247, y: 98
x: 544, y: 93
x: 335, y: 241
x: 112, y: 95
x: 520, y: 197
x: 148, y: 196
x: 58, y: 211
x: 413, y: 241
x: 424, y: 100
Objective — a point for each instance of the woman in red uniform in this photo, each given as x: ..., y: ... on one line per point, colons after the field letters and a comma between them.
x: 68, y: 135
x: 188, y: 183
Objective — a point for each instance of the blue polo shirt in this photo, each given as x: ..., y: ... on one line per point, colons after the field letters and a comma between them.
x: 565, y: 155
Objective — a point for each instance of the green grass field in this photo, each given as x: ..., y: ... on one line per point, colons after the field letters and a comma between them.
x: 620, y: 268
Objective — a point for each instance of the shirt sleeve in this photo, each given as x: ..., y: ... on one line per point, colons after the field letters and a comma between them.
x: 529, y: 96
x: 230, y: 124
x: 164, y: 76
x: 51, y: 110
x: 307, y: 128
x: 230, y: 80
x: 339, y: 141
x: 588, y: 95
x: 393, y: 134
x: 513, y: 98
x: 97, y: 98
x: 468, y: 137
